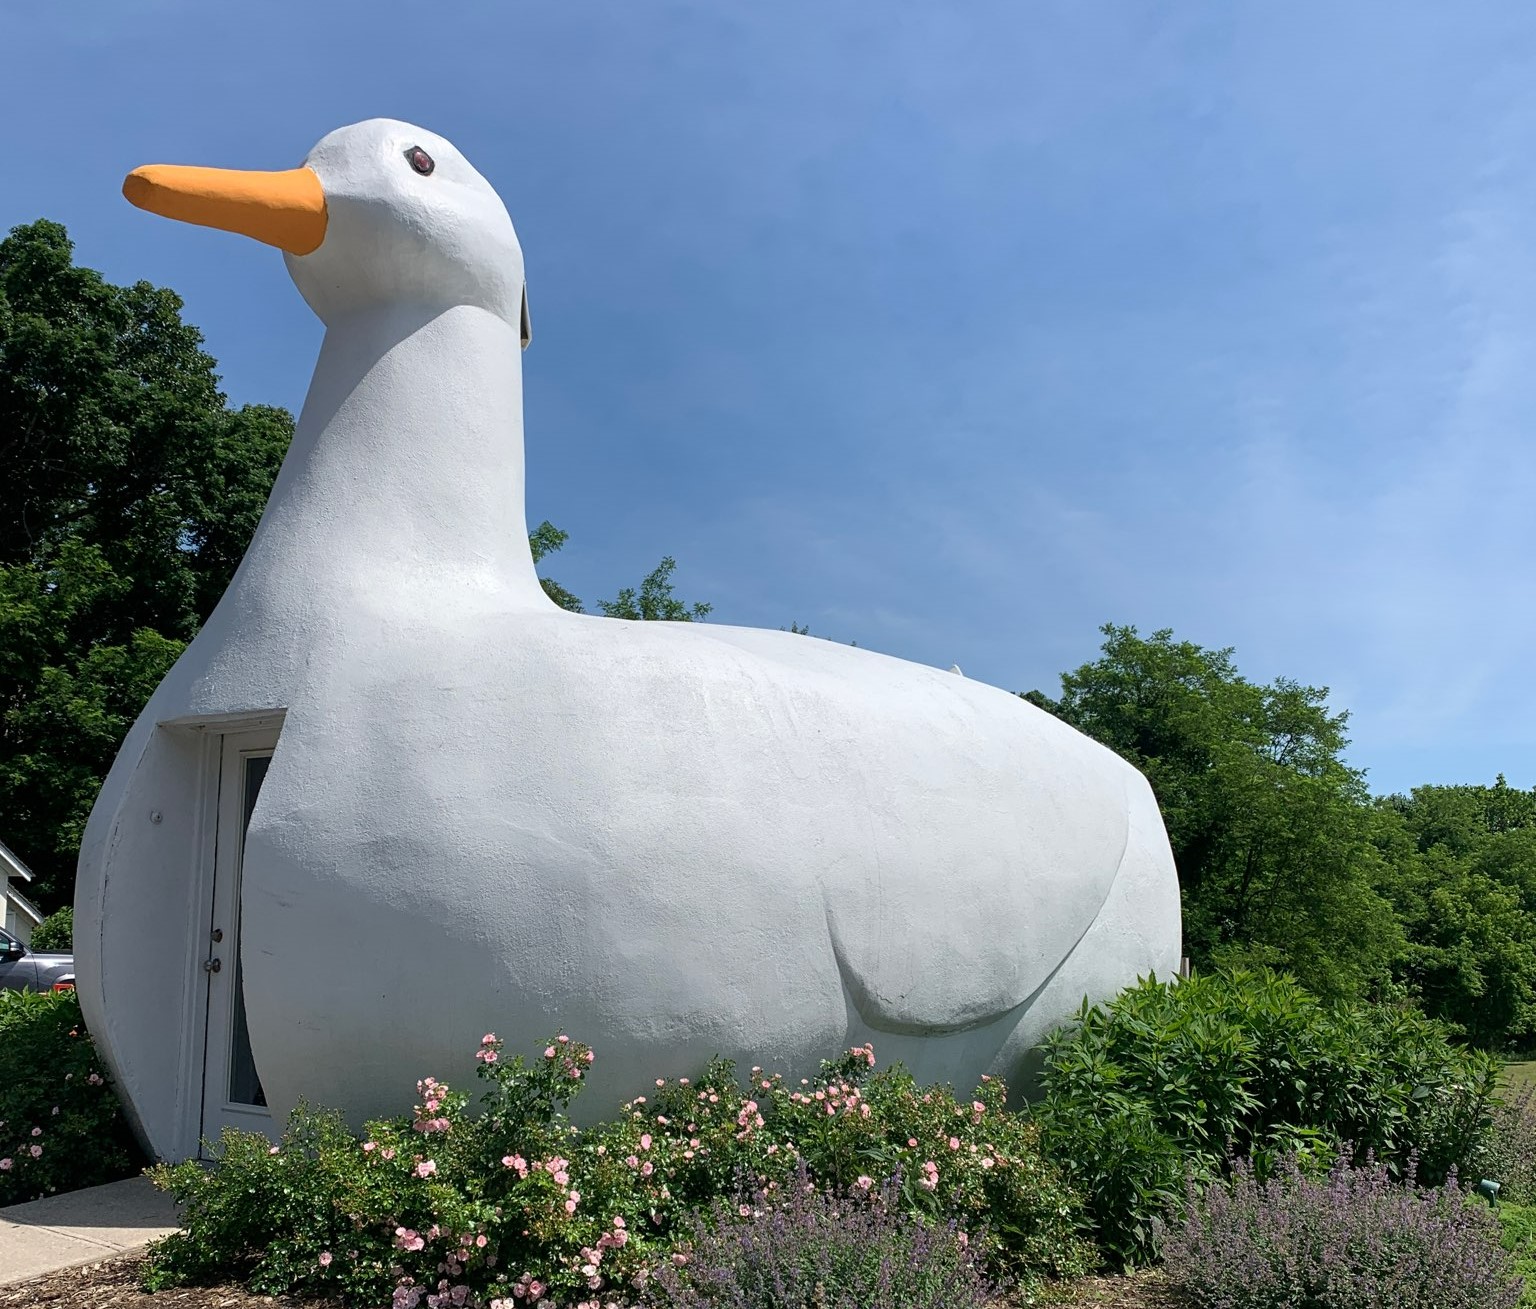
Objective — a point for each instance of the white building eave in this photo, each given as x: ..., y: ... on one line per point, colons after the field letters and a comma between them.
x: 27, y: 909
x: 11, y: 866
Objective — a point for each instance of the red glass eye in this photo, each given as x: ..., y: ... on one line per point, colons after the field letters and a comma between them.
x: 420, y: 160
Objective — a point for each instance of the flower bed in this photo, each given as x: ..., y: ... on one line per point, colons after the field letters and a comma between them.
x: 1352, y: 1238
x: 515, y: 1204
x: 695, y: 1193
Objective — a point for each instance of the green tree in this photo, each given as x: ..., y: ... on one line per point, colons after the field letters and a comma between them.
x: 55, y: 932
x: 655, y: 600
x: 131, y: 492
x: 806, y: 631
x: 1462, y: 818
x: 1464, y: 889
x: 544, y: 540
x: 1271, y: 831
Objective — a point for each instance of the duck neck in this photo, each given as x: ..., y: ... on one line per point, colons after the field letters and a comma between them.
x: 405, y: 476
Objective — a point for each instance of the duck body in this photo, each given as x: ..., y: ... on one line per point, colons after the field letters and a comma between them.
x: 685, y: 841
x: 484, y: 813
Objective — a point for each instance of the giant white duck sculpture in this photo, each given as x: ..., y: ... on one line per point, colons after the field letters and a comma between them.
x: 485, y: 813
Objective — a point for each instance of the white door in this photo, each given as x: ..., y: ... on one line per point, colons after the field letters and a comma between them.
x: 232, y: 1094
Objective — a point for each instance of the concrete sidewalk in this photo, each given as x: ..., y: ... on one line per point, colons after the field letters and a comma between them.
x: 82, y: 1227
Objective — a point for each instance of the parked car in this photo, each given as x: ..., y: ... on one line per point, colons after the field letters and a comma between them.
x: 22, y: 969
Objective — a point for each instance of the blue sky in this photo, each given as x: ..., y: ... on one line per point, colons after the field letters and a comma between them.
x: 955, y: 330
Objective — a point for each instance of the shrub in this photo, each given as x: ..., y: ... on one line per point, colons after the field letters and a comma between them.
x: 423, y: 1206
x: 805, y: 1246
x: 1246, y: 1064
x: 1128, y: 1169
x: 1352, y: 1238
x: 60, y: 1124
x: 515, y: 1202
x: 55, y: 932
x: 969, y: 1160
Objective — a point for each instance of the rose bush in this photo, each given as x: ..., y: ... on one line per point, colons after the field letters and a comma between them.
x: 515, y: 1206
x: 61, y: 1127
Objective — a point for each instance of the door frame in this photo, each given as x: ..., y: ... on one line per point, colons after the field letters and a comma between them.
x: 220, y: 982
x: 209, y: 732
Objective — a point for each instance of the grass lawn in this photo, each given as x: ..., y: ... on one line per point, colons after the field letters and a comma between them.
x: 1516, y: 1074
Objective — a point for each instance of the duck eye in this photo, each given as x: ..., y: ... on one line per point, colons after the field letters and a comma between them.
x: 420, y: 160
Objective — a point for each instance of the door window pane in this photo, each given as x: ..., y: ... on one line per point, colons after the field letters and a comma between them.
x: 244, y: 1084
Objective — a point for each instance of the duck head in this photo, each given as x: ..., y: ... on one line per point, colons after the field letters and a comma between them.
x: 379, y: 213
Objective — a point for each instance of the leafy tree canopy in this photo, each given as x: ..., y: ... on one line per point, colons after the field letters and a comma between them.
x: 1464, y: 889
x: 132, y: 491
x: 1270, y: 828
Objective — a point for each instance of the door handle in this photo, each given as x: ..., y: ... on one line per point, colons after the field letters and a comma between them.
x: 211, y: 965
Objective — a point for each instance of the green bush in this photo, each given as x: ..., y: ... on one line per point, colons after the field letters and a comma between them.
x: 515, y: 1196
x: 60, y: 1124
x: 1247, y: 1065
x: 55, y: 932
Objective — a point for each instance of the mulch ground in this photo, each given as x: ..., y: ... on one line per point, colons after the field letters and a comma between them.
x: 114, y: 1284
x: 1146, y: 1289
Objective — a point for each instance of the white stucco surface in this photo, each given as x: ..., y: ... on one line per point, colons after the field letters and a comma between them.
x: 484, y: 813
